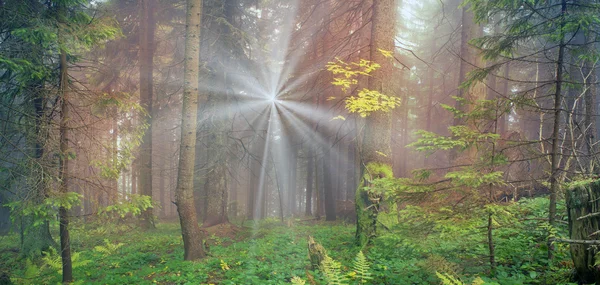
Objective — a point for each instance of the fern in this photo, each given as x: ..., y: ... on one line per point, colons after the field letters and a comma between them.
x: 31, y: 270
x: 54, y: 261
x: 297, y: 281
x: 448, y: 279
x: 361, y: 267
x: 108, y: 248
x: 333, y: 272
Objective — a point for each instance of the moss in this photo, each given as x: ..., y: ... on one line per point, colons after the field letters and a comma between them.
x: 316, y: 252
x: 374, y: 170
x: 371, y: 209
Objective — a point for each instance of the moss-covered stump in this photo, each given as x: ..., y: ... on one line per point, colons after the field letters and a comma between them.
x: 316, y: 253
x: 4, y: 279
x: 372, y: 211
x: 583, y: 206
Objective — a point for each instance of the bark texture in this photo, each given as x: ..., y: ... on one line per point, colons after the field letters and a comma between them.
x: 582, y: 203
x: 184, y: 195
x: 377, y: 153
x: 146, y: 56
x: 554, y: 161
x: 63, y: 213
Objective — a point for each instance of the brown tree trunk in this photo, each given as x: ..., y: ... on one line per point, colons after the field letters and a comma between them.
x: 184, y: 195
x: 309, y: 180
x: 327, y: 185
x: 65, y: 243
x: 554, y: 166
x: 146, y: 57
x: 377, y: 153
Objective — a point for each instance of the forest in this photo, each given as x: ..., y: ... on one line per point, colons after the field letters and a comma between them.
x: 450, y: 142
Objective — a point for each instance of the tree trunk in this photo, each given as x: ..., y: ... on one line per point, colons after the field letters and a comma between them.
x: 38, y: 237
x: 184, y: 195
x: 63, y: 213
x: 146, y: 57
x: 318, y: 188
x: 216, y: 197
x: 377, y: 153
x: 591, y: 133
x: 292, y: 173
x: 555, y: 167
x: 327, y: 185
x: 309, y: 180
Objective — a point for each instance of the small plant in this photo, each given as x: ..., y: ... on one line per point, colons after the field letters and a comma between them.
x: 333, y: 272
x: 297, y: 281
x: 448, y: 279
x: 224, y: 265
x: 361, y: 268
x: 53, y: 260
x: 108, y: 248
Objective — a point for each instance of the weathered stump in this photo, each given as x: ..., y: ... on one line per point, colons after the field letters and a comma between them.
x: 316, y: 253
x: 5, y: 279
x: 583, y: 206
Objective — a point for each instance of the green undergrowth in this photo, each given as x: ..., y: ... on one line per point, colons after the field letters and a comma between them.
x: 424, y: 245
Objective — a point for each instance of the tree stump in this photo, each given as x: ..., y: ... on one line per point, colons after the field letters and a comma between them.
x: 583, y: 207
x: 316, y: 253
x: 5, y: 279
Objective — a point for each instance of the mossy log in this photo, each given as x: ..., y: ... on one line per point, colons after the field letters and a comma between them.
x: 316, y: 253
x: 583, y: 204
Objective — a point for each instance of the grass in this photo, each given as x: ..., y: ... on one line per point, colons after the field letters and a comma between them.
x: 272, y: 253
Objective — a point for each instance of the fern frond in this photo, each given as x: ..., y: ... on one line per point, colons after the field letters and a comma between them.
x: 31, y: 270
x: 448, y: 279
x: 108, y: 248
x: 297, y: 281
x: 361, y: 267
x: 52, y: 259
x: 333, y: 272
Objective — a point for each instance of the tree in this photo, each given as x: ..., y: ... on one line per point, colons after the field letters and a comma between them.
x: 146, y: 60
x: 376, y: 152
x: 65, y: 117
x: 184, y: 195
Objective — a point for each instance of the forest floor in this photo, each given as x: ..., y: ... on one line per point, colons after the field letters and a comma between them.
x: 272, y: 252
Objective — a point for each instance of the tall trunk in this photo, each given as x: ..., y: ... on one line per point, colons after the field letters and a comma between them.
x: 377, y: 151
x: 309, y: 180
x: 327, y: 185
x: 216, y: 196
x: 113, y: 195
x: 465, y: 64
x: 319, y: 188
x: 555, y: 167
x: 351, y: 170
x: 184, y: 195
x: 431, y: 94
x: 590, y: 111
x: 502, y: 123
x: 293, y: 172
x: 146, y: 56
x: 38, y: 237
x: 65, y: 243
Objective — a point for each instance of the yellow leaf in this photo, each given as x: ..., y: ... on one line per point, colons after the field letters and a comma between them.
x: 330, y: 98
x: 339, y: 118
x: 381, y: 153
x: 386, y: 53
